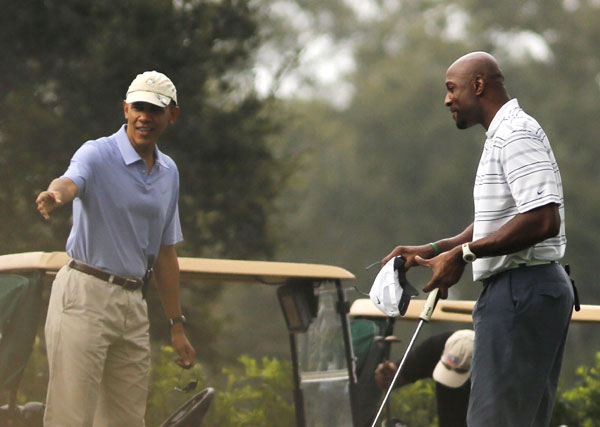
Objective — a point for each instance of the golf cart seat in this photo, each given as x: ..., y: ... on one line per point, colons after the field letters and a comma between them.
x: 20, y: 307
x: 370, y: 349
x: 192, y: 412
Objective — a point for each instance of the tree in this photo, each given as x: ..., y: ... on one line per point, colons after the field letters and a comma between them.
x: 68, y: 69
x: 579, y: 406
x: 391, y: 168
x: 65, y: 70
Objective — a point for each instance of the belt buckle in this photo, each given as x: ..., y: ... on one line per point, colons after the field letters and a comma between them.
x: 131, y: 285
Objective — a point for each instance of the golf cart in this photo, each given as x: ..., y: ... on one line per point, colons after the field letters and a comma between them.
x: 334, y: 346
x: 309, y: 294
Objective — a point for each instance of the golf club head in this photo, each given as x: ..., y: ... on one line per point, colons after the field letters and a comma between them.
x: 408, y: 290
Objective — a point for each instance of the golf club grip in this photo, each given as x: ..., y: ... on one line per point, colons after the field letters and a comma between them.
x: 429, y: 306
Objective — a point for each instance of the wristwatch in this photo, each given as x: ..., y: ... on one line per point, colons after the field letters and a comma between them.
x: 468, y: 255
x: 178, y: 319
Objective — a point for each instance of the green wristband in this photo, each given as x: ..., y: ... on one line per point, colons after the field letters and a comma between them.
x: 435, y: 249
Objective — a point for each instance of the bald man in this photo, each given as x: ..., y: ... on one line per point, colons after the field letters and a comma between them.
x: 514, y: 244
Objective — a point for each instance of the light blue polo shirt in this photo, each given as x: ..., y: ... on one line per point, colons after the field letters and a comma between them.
x: 122, y: 214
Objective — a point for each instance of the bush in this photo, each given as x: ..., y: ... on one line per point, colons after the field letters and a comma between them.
x: 415, y: 404
x: 165, y: 378
x: 580, y: 406
x: 255, y: 394
x: 258, y: 395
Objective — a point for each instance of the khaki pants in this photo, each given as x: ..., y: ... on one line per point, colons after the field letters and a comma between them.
x: 98, y: 348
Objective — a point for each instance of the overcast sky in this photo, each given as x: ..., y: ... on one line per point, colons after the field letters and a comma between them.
x: 324, y: 62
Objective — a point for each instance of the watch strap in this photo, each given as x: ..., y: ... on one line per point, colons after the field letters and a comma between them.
x: 468, y: 255
x: 178, y: 319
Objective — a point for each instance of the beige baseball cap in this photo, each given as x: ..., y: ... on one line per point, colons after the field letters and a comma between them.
x: 454, y: 367
x: 152, y: 87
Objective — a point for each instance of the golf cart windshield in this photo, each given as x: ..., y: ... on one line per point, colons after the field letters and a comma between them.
x: 323, y: 372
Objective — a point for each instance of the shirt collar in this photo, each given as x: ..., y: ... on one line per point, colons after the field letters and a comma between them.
x: 500, y: 116
x: 128, y: 152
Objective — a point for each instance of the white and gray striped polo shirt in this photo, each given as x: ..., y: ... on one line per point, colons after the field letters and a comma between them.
x: 517, y: 173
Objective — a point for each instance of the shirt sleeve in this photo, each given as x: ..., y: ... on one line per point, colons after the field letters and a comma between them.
x: 530, y: 170
x: 80, y: 167
x: 172, y: 233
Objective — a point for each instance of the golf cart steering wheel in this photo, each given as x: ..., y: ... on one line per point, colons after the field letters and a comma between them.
x: 192, y: 412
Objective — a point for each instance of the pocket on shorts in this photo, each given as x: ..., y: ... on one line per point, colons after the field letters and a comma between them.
x: 481, y: 302
x: 70, y: 290
x: 528, y: 294
x: 521, y: 291
x: 552, y: 290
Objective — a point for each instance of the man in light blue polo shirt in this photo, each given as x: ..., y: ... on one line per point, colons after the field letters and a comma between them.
x: 125, y: 223
x: 522, y: 316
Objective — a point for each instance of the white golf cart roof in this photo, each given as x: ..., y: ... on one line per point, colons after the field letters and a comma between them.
x: 454, y: 311
x: 273, y: 273
x: 196, y: 269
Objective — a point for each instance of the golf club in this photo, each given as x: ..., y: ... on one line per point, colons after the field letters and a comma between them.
x: 425, y: 316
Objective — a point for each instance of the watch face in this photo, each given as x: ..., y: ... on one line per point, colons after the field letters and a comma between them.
x: 469, y: 257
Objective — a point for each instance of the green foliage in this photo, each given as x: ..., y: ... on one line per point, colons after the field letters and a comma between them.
x: 165, y: 378
x: 415, y: 405
x: 580, y: 405
x: 65, y: 69
x: 257, y: 396
x: 391, y: 168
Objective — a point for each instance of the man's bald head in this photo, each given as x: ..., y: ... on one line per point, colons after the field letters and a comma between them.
x: 476, y: 64
x: 475, y: 89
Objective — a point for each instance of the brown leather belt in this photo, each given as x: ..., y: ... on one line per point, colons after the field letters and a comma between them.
x: 126, y: 283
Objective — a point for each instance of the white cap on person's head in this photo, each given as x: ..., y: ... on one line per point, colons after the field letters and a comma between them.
x: 152, y: 87
x: 454, y: 367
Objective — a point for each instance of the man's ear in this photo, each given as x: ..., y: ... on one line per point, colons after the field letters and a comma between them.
x: 478, y: 85
x: 125, y: 109
x: 174, y: 113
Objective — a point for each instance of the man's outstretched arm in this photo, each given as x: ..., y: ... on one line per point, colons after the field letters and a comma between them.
x: 60, y: 191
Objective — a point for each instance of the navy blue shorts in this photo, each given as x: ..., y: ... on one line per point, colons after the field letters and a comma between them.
x: 521, y: 320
